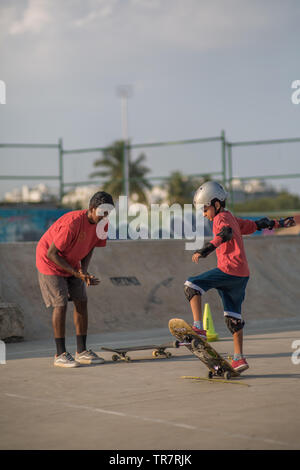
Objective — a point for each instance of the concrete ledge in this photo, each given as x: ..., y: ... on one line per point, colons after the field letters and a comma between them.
x: 11, y: 323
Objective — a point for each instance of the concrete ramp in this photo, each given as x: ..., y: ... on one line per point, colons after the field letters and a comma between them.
x: 142, y: 284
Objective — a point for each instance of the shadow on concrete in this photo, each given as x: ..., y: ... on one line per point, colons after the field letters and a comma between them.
x: 272, y: 376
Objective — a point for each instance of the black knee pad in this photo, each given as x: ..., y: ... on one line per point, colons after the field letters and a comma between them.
x: 234, y: 324
x: 190, y: 292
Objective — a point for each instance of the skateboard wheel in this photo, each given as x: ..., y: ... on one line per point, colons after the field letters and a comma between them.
x: 195, y: 343
x: 155, y: 353
x: 227, y: 375
x: 168, y: 355
x: 127, y: 359
x: 115, y: 357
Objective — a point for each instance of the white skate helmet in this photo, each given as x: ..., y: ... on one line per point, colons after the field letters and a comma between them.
x: 207, y: 192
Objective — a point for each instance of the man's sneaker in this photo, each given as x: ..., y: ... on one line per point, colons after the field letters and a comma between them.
x: 201, y: 333
x: 65, y: 360
x: 240, y: 365
x: 88, y: 357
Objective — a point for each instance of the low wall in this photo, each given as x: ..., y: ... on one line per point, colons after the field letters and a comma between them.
x: 142, y: 284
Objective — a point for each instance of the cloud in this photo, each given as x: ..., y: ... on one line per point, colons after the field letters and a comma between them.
x: 196, y: 24
x: 35, y: 17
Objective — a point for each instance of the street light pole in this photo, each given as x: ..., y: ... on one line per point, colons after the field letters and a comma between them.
x: 125, y: 91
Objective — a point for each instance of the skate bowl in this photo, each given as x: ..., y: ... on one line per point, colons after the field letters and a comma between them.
x: 142, y: 284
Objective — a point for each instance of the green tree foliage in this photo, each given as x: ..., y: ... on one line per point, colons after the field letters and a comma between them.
x: 111, y: 165
x: 181, y: 188
x: 283, y: 201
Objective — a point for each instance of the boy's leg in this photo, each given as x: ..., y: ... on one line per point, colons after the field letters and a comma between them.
x: 194, y: 297
x: 196, y: 307
x: 196, y: 286
x: 238, y: 343
x: 232, y: 297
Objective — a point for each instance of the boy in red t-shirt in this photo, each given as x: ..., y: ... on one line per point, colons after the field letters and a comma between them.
x: 231, y: 276
x: 63, y: 255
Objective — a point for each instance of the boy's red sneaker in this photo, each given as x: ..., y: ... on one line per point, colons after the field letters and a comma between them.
x: 201, y: 333
x: 240, y: 365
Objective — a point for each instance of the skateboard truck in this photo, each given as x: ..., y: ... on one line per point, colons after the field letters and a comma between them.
x: 186, y: 336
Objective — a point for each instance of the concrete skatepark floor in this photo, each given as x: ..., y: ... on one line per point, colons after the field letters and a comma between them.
x: 146, y: 404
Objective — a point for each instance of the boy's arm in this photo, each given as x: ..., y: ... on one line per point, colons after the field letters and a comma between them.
x: 250, y: 226
x: 246, y: 226
x: 224, y: 235
x: 270, y: 224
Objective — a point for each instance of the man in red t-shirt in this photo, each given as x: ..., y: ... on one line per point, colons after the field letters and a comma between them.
x: 63, y: 255
x: 231, y: 276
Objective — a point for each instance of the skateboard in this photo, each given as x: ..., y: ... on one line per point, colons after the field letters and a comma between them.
x: 186, y: 336
x: 158, y: 351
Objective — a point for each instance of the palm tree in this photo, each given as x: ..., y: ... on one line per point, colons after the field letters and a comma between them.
x: 112, y: 164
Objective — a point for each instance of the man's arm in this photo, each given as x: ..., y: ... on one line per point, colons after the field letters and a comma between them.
x: 53, y: 255
x: 86, y: 261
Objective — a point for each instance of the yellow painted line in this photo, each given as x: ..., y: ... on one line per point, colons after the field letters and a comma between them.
x: 197, y: 379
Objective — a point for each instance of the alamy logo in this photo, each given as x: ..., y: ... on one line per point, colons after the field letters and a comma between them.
x: 138, y: 221
x: 2, y: 352
x: 2, y: 92
x: 296, y: 353
x: 296, y: 95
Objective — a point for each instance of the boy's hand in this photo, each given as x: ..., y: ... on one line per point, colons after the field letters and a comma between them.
x: 203, y: 252
x: 195, y: 257
x: 287, y: 222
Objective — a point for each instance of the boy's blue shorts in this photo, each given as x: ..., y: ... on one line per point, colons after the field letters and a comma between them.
x: 230, y: 288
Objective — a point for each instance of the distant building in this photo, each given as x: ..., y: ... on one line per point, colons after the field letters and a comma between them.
x: 39, y: 193
x: 80, y: 196
x: 157, y: 195
x: 251, y: 189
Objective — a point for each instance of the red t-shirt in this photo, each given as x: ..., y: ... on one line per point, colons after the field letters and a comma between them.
x: 231, y: 254
x: 74, y: 236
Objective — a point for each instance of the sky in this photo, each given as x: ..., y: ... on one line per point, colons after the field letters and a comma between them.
x: 196, y: 67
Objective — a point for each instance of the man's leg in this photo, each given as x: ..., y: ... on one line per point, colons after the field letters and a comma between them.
x: 59, y: 321
x: 83, y: 355
x: 59, y: 327
x: 81, y: 323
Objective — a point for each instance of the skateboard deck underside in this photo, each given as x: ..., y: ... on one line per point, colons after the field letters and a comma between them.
x: 184, y: 333
x: 158, y: 351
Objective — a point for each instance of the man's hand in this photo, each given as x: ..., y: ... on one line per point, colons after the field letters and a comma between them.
x: 89, y: 279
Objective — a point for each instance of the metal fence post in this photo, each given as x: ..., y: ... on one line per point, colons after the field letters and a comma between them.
x: 229, y: 152
x: 61, y: 169
x: 223, y: 144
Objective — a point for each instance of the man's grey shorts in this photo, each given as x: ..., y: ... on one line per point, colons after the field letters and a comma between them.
x: 57, y: 290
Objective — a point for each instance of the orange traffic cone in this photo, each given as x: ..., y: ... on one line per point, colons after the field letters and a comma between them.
x: 208, y: 325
